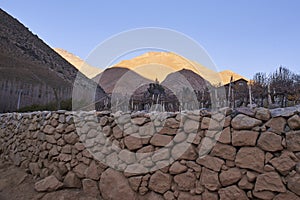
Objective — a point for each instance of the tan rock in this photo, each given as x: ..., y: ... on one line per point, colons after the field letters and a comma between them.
x: 265, y: 195
x: 262, y: 114
x: 135, y: 182
x: 90, y: 187
x: 232, y: 193
x: 139, y: 120
x: 225, y: 136
x: 230, y: 176
x: 207, y: 195
x: 250, y: 158
x: 283, y: 164
x: 210, y: 180
x: 244, y: 138
x: 294, y: 122
x: 286, y: 196
x: 92, y: 172
x: 169, y: 195
x: 188, y: 196
x: 191, y: 126
x: 133, y: 143
x: 210, y: 162
x: 150, y: 196
x: 71, y: 138
x: 184, y: 151
x: 80, y: 170
x: 49, y: 130
x: 113, y: 185
x: 241, y: 122
x: 224, y: 151
x: 48, y: 184
x: 293, y: 182
x: 177, y: 168
x: 185, y: 181
x: 269, y: 141
x: 263, y: 182
x: 244, y: 184
x: 293, y: 141
x: 72, y: 181
x: 160, y: 182
x: 276, y: 124
x: 172, y: 123
x: 160, y: 140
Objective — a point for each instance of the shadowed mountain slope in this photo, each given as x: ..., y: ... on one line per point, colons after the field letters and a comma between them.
x: 30, y: 71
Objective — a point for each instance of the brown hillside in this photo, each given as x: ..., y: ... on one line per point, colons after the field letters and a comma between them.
x: 31, y: 70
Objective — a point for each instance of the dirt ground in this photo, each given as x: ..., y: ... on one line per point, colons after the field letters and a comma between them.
x: 16, y: 184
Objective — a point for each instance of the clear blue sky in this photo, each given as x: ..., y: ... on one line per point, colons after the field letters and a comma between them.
x: 243, y: 36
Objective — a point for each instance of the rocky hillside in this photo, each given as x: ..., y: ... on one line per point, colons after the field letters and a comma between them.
x: 30, y: 71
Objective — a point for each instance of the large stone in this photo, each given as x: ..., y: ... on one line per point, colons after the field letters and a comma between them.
x: 160, y: 140
x: 135, y: 182
x: 224, y: 151
x: 48, y: 184
x: 244, y: 138
x: 209, y: 179
x: 263, y: 183
x: 210, y: 162
x: 72, y: 181
x: 293, y: 183
x: 160, y: 182
x: 232, y: 193
x: 294, y: 122
x: 207, y: 195
x: 262, y: 114
x: 276, y: 124
x: 133, y: 143
x: 71, y: 138
x: 293, y: 141
x: 90, y: 187
x: 250, y: 158
x: 113, y: 185
x: 147, y: 130
x: 264, y: 195
x: 244, y: 122
x: 225, y: 136
x: 188, y: 196
x: 184, y: 151
x: 185, y: 181
x: 269, y: 141
x: 80, y: 170
x: 177, y: 168
x: 92, y: 172
x: 283, y: 164
x: 49, y: 130
x: 229, y: 177
x: 286, y: 196
x: 191, y: 126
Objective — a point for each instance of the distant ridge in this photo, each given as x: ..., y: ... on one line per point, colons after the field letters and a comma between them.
x: 88, y: 70
x: 159, y: 65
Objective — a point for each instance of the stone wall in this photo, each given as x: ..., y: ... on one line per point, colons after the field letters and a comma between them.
x: 226, y: 154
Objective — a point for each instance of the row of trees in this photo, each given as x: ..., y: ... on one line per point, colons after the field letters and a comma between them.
x: 280, y: 88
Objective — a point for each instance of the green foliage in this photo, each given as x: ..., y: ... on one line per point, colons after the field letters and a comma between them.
x: 64, y: 105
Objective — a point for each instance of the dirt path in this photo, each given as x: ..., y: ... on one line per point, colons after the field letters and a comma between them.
x: 16, y: 184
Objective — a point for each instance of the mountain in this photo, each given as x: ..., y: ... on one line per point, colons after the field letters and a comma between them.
x: 184, y: 78
x: 227, y: 74
x: 88, y: 70
x: 120, y: 80
x: 32, y: 73
x: 158, y: 65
